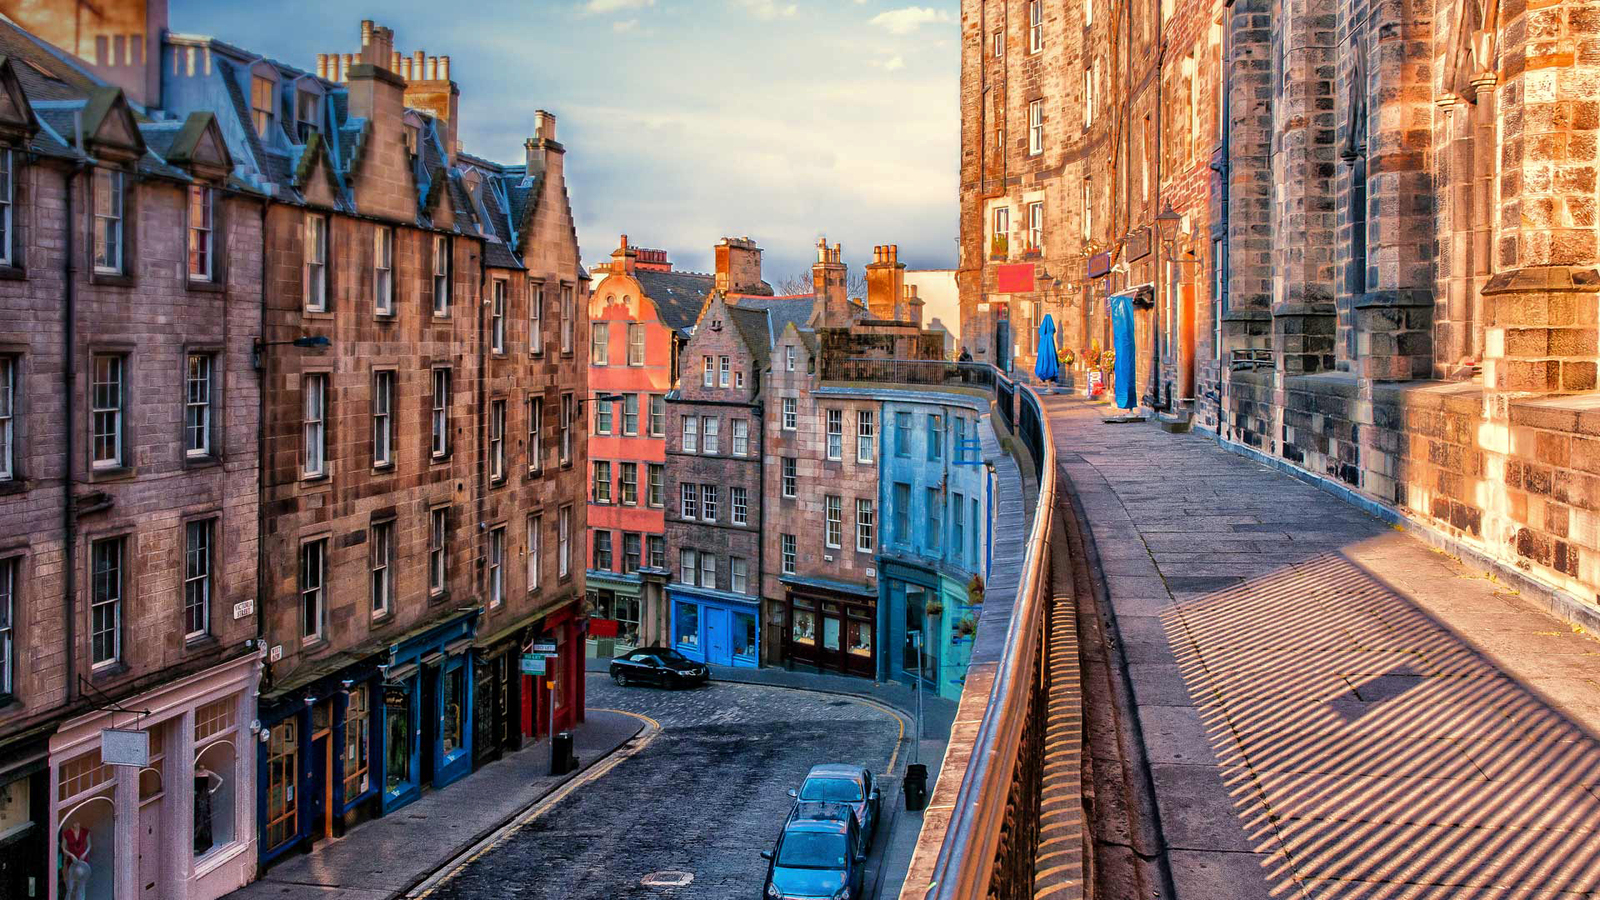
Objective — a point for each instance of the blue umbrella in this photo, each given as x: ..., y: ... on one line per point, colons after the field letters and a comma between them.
x: 1046, y: 368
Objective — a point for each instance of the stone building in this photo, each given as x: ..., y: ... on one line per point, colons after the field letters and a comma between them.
x: 1380, y: 264
x: 410, y: 380
x: 641, y: 312
x: 715, y: 509
x: 130, y: 295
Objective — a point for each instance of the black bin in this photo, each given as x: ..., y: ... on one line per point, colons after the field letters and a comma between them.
x: 916, y: 787
x: 561, y: 759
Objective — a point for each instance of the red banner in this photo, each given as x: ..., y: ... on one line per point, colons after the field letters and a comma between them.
x: 1015, y: 279
x: 603, y: 628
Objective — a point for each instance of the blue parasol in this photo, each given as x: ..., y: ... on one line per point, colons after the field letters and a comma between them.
x: 1046, y: 368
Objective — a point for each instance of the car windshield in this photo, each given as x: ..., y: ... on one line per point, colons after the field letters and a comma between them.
x: 838, y: 790
x: 813, y: 850
x: 674, y: 658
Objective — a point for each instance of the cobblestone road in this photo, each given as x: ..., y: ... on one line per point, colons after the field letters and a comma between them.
x: 705, y: 797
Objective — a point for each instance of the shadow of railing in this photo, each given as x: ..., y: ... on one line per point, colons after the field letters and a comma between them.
x: 1371, y: 751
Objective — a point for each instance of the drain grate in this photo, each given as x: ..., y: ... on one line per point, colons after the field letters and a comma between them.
x: 667, y: 879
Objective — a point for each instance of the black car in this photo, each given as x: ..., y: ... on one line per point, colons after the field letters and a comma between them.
x: 660, y: 666
x: 816, y: 855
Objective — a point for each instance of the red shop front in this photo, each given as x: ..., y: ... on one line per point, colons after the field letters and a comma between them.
x: 561, y: 686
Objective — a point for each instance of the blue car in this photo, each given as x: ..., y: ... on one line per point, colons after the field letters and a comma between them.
x: 845, y: 783
x: 817, y: 856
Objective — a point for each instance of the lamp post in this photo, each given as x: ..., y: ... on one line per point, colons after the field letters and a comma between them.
x: 307, y: 342
x: 1167, y: 229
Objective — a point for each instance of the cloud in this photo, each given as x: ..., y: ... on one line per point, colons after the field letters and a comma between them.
x: 768, y: 9
x: 905, y: 21
x: 625, y: 25
x: 892, y: 63
x: 601, y: 7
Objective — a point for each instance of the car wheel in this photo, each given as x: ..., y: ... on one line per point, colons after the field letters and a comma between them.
x: 620, y: 678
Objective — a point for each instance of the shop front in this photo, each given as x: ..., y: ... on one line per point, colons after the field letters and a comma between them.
x: 615, y: 618
x: 177, y: 827
x: 716, y: 627
x: 557, y: 696
x: 831, y: 626
x: 25, y: 814
x: 938, y: 605
x: 347, y: 742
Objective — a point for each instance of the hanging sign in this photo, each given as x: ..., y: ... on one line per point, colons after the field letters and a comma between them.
x: 1098, y: 265
x: 395, y: 698
x: 544, y: 646
x: 124, y: 747
x: 532, y: 664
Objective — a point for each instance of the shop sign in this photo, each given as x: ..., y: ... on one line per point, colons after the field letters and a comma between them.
x: 1139, y: 244
x: 603, y: 628
x: 1099, y: 265
x: 544, y: 646
x: 1016, y: 278
x: 532, y: 664
x: 395, y: 698
x: 124, y: 747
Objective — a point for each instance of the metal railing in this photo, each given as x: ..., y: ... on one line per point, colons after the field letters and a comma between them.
x: 1005, y: 398
x: 921, y: 372
x: 990, y: 844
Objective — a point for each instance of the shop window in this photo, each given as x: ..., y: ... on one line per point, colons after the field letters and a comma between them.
x: 283, y: 777
x: 744, y: 636
x: 858, y: 638
x: 397, y: 739
x: 804, y: 628
x: 357, y: 742
x: 216, y: 770
x: 87, y: 844
x: 453, y: 695
x: 558, y: 690
x: 917, y: 620
x: 686, y: 625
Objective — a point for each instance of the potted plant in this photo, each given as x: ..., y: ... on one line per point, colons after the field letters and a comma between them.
x: 967, y: 627
x: 975, y: 590
x: 934, y: 608
x: 998, y: 245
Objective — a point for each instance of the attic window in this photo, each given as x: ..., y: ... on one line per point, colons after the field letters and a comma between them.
x: 44, y: 72
x: 261, y: 96
x: 716, y: 324
x: 307, y: 109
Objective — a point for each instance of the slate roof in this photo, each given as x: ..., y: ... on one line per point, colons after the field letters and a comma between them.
x: 784, y: 310
x: 756, y: 329
x: 678, y: 296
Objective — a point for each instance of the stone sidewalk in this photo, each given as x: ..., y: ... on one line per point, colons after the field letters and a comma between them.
x: 1330, y: 708
x: 385, y: 858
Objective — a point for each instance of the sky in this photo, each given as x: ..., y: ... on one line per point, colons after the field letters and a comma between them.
x: 688, y: 120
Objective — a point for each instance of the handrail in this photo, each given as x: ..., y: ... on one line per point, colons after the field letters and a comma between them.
x: 968, y: 854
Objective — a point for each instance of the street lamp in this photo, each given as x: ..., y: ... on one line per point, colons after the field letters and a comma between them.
x: 307, y: 342
x: 1167, y: 229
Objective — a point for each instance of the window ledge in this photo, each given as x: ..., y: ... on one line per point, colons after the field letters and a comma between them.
x: 9, y: 272
x: 110, y: 279
x: 207, y: 287
x: 219, y: 857
x: 206, y: 640
x: 110, y: 473
x: 316, y: 479
x: 13, y: 486
x: 383, y: 468
x: 101, y: 672
x: 201, y: 460
x: 437, y: 597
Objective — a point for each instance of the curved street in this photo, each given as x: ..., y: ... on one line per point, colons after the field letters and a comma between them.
x: 703, y: 798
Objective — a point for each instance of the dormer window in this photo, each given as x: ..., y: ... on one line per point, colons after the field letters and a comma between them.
x: 262, y: 91
x: 307, y: 113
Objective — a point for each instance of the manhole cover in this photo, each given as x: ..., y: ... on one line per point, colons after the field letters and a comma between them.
x: 667, y: 879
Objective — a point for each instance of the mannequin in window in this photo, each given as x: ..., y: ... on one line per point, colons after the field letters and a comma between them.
x: 206, y: 783
x: 75, y: 849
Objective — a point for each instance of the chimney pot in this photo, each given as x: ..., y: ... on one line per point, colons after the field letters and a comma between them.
x: 417, y: 59
x: 366, y: 32
x: 444, y: 68
x: 345, y: 62
x: 394, y: 61
x: 322, y: 65
x: 433, y: 67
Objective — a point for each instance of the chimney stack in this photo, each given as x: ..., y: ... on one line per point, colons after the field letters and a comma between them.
x: 739, y: 267
x: 886, y: 284
x: 831, y: 308
x: 913, y: 305
x: 543, y: 153
x: 624, y: 259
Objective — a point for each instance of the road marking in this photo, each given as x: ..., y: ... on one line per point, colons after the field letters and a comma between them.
x: 504, y: 833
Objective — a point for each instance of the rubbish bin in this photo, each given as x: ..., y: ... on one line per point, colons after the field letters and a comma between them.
x: 916, y: 787
x: 561, y: 759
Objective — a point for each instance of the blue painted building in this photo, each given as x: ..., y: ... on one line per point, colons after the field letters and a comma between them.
x: 715, y: 627
x: 936, y: 495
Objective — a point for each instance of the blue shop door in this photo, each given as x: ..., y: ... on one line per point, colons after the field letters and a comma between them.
x: 452, y: 743
x: 719, y: 631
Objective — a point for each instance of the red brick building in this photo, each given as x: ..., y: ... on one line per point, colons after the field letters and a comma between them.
x: 641, y: 312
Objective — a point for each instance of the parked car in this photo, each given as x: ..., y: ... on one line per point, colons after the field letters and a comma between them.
x: 817, y: 855
x: 660, y: 666
x: 847, y: 784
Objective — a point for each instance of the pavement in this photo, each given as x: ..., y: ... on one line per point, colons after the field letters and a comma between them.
x: 385, y: 858
x: 687, y: 814
x: 1330, y: 708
